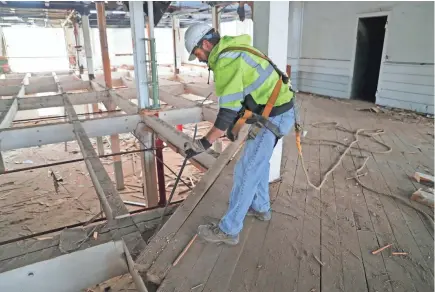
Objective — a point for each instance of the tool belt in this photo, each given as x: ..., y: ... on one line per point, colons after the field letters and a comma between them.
x: 245, y: 114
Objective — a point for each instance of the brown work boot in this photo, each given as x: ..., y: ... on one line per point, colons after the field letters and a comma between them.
x: 262, y: 216
x: 212, y: 233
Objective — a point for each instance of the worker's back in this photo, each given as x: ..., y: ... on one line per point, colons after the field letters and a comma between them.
x: 239, y: 74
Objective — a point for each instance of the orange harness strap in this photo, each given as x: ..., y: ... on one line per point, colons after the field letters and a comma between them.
x: 272, y: 98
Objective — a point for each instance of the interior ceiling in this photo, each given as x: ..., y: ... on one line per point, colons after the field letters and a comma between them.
x: 54, y: 13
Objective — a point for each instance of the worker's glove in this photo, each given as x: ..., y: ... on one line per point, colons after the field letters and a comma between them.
x: 194, y: 148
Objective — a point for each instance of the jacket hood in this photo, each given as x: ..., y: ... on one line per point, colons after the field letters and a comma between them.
x: 225, y: 42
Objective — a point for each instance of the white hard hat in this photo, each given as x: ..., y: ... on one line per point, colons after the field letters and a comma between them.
x: 193, y: 35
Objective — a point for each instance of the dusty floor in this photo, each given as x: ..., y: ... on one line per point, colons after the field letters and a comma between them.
x: 28, y: 200
x: 320, y: 240
x: 29, y: 203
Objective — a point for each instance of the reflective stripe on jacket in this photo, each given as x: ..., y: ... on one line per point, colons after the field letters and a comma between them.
x: 239, y: 73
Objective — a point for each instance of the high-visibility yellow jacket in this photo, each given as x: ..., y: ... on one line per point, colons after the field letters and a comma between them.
x: 240, y: 75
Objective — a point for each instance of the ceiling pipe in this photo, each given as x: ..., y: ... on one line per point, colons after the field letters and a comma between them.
x: 68, y: 19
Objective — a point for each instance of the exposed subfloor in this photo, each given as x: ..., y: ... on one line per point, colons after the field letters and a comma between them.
x: 318, y: 240
x: 28, y: 200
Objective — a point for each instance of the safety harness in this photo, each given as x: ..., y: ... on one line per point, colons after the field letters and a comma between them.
x: 245, y: 114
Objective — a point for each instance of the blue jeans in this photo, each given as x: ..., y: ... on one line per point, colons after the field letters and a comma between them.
x: 251, y: 176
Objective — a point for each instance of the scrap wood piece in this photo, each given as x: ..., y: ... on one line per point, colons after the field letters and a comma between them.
x: 44, y: 238
x: 371, y: 109
x: 70, y: 238
x: 178, y: 259
x: 318, y: 260
x: 135, y: 203
x: 196, y: 287
x: 399, y: 253
x: 382, y: 248
x: 425, y: 197
x: 422, y: 177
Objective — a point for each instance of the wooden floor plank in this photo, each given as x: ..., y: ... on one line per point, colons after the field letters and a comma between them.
x: 379, y: 207
x: 169, y: 230
x: 417, y: 228
x: 222, y: 271
x: 353, y: 269
x: 332, y: 271
x: 397, y: 221
x: 406, y: 170
x: 403, y: 186
x: 375, y: 266
x: 350, y: 223
x: 179, y: 274
x: 278, y: 234
x: 309, y: 269
x: 289, y: 210
x: 417, y: 160
x: 275, y: 246
x: 414, y: 141
x: 411, y: 163
x: 248, y: 263
x: 213, y: 204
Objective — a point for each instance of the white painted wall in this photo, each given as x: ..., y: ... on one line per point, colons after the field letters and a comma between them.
x: 36, y: 49
x: 322, y: 39
x: 50, y: 44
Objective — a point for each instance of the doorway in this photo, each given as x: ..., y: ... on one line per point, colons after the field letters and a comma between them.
x: 368, y: 57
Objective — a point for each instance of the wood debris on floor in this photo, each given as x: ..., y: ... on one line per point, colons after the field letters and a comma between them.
x: 45, y: 199
x: 363, y: 235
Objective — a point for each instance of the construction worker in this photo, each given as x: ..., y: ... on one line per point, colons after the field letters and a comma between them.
x: 251, y: 89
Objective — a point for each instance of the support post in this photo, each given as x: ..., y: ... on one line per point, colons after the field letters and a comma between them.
x: 215, y: 19
x: 101, y: 19
x: 69, y: 45
x: 2, y: 53
x: 270, y: 36
x: 152, y: 54
x: 117, y: 162
x: 139, y: 53
x: 90, y: 66
x: 78, y: 46
x: 88, y: 46
x: 176, y: 37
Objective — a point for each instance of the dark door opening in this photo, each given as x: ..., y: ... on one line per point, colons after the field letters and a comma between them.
x: 368, y: 56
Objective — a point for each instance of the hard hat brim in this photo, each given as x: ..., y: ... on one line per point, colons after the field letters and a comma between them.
x: 192, y: 57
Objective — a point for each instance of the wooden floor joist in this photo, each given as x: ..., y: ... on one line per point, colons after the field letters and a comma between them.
x: 26, y: 252
x: 37, y: 102
x: 23, y: 137
x: 9, y: 90
x: 175, y: 139
x: 109, y: 197
x: 7, y: 116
